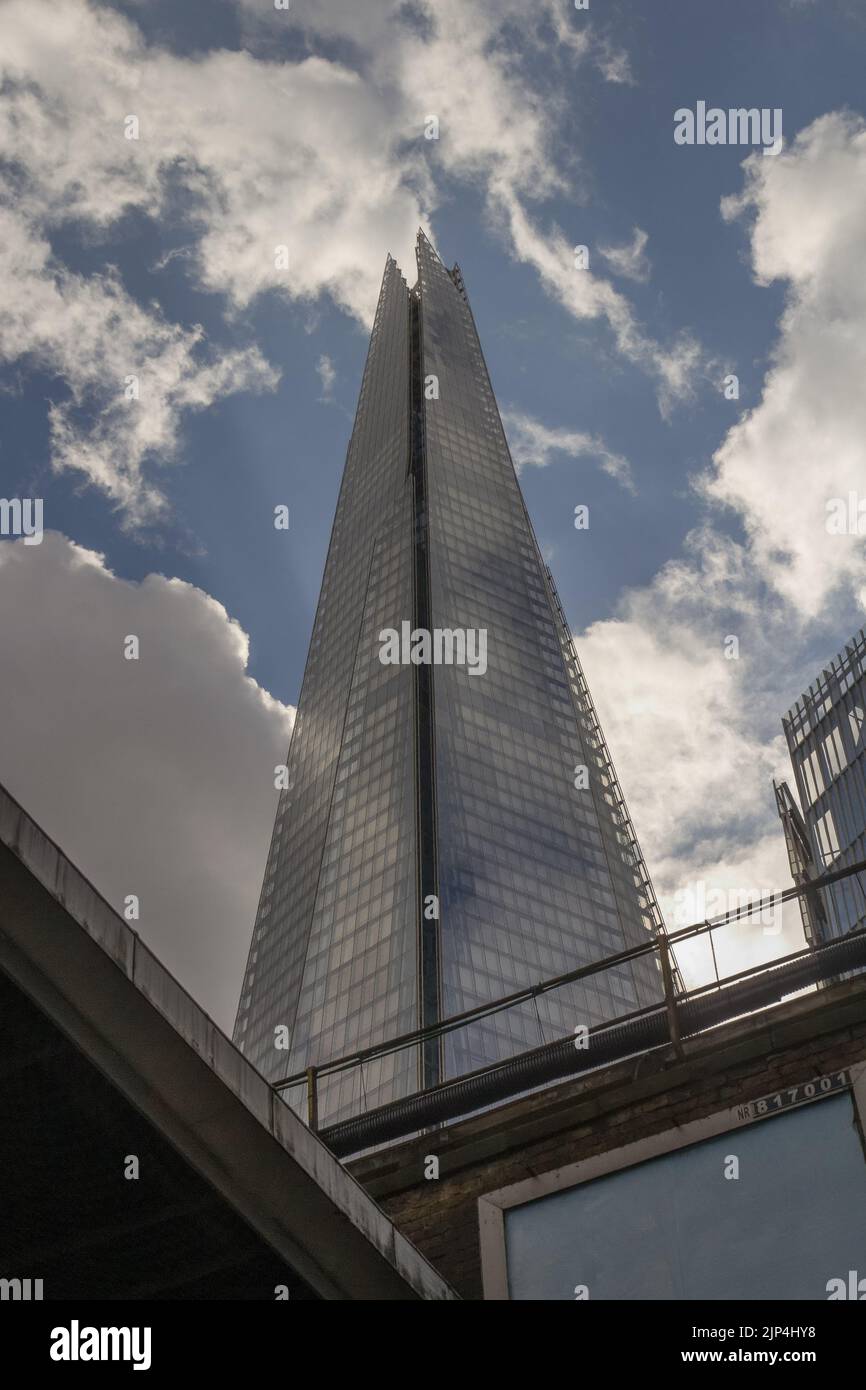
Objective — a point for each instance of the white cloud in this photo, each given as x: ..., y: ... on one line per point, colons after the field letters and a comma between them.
x: 697, y: 740
x: 155, y: 776
x: 498, y: 131
x: 130, y: 373
x: 313, y: 160
x: 327, y: 376
x: 494, y: 127
x: 533, y: 444
x: 615, y: 65
x: 272, y: 154
x: 368, y: 25
x: 805, y: 443
x: 697, y: 737
x: 588, y: 296
x: 629, y: 260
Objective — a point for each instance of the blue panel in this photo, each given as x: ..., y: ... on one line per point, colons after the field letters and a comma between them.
x: 676, y: 1228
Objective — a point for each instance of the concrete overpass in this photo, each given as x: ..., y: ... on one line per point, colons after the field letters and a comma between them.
x: 105, y: 1058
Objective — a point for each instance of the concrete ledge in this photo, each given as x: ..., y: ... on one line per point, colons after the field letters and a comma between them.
x: 82, y: 965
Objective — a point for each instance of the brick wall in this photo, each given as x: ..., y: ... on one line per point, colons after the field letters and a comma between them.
x: 811, y: 1036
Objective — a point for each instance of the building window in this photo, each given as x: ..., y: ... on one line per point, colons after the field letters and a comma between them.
x: 813, y: 777
x: 828, y: 840
x: 834, y: 752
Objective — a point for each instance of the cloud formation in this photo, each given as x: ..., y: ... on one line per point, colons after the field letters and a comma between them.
x: 156, y: 776
x: 534, y: 444
x: 804, y: 444
x: 291, y: 176
x: 327, y: 374
x: 285, y: 189
x: 697, y: 736
x: 629, y: 259
x: 129, y: 373
x: 588, y: 296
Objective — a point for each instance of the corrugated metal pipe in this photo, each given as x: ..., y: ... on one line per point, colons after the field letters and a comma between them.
x: 611, y: 1044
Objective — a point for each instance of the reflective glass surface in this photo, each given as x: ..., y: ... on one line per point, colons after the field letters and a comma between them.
x: 535, y: 875
x: 826, y: 733
x: 333, y: 955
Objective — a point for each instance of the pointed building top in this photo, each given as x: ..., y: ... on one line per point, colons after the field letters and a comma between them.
x: 423, y: 239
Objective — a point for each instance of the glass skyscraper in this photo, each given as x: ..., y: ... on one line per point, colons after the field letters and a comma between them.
x: 826, y: 734
x: 449, y: 833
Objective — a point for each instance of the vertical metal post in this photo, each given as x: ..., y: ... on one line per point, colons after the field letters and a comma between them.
x: 670, y: 1000
x: 713, y: 949
x: 312, y: 1099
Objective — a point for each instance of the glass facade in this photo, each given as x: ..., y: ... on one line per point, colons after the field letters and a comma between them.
x: 530, y: 885
x: 408, y: 782
x: 826, y: 734
x: 333, y: 953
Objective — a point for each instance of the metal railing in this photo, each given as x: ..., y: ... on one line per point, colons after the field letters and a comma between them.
x: 673, y: 996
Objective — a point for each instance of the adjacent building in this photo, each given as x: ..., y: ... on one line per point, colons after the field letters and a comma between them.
x: 452, y: 828
x: 826, y: 734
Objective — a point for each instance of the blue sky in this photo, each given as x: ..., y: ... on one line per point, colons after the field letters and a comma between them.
x: 244, y: 456
x: 306, y: 128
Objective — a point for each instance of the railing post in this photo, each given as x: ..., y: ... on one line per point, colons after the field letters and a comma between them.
x: 312, y: 1099
x: 670, y: 999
